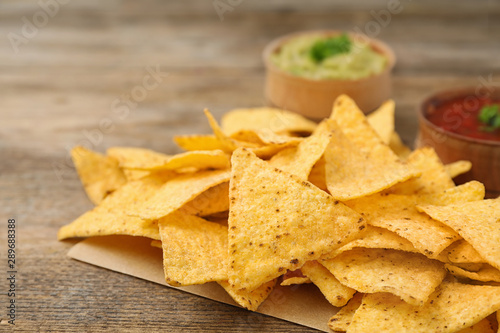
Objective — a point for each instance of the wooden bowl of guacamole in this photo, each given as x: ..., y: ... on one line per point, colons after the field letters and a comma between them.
x: 306, y: 71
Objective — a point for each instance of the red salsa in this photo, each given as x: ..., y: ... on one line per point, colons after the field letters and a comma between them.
x: 461, y: 116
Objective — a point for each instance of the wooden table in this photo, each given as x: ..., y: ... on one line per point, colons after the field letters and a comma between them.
x: 66, y: 77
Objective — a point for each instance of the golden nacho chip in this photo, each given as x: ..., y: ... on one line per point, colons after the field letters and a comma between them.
x: 376, y: 238
x: 470, y: 191
x: 194, y: 250
x: 453, y: 306
x: 265, y: 137
x: 109, y: 217
x: 295, y: 280
x: 249, y: 299
x: 145, y: 159
x: 335, y: 292
x: 411, y: 276
x: 478, y: 222
x: 156, y: 243
x: 137, y: 158
x: 398, y: 147
x: 486, y: 273
x: 342, y: 319
x: 484, y: 326
x: 433, y: 178
x: 278, y: 221
x: 212, y: 201
x: 229, y: 144
x: 317, y: 175
x: 99, y: 222
x: 398, y: 214
x: 353, y: 171
x: 457, y: 168
x: 99, y: 174
x: 199, y: 142
x: 382, y: 120
x: 463, y: 252
x: 275, y: 120
x: 178, y: 191
x: 300, y: 160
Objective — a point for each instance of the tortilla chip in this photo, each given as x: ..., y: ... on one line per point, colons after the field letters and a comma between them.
x: 335, y: 292
x: 433, y: 178
x: 212, y: 201
x: 275, y: 120
x: 100, y: 175
x: 249, y: 300
x: 264, y: 137
x: 485, y: 274
x: 177, y: 191
x: 342, y: 319
x: 463, y: 252
x: 99, y: 222
x: 376, y: 238
x: 199, y: 142
x: 300, y: 160
x: 478, y: 222
x: 156, y: 243
x: 453, y: 306
x: 484, y: 326
x: 229, y: 144
x: 109, y: 217
x: 398, y: 214
x: 137, y: 158
x: 278, y: 221
x: 382, y: 120
x: 295, y: 280
x: 411, y: 276
x: 398, y: 147
x: 457, y: 168
x: 353, y: 171
x: 470, y: 191
x: 317, y: 175
x: 194, y: 250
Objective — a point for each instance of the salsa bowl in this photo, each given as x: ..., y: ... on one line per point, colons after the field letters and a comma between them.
x: 448, y: 122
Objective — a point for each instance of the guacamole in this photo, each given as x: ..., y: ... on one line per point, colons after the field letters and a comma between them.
x: 319, y: 57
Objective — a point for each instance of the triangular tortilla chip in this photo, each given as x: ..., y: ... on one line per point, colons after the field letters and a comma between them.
x: 212, y: 201
x: 342, y: 319
x: 99, y: 174
x: 411, y: 276
x: 485, y: 274
x: 299, y: 160
x: 453, y: 306
x: 194, y: 250
x: 99, y: 222
x: 457, y: 168
x: 278, y: 221
x: 398, y: 214
x: 433, y: 178
x: 478, y: 222
x: 376, y: 238
x: 199, y: 142
x: 382, y: 120
x: 137, y: 158
x: 249, y: 299
x: 335, y: 292
x: 276, y: 120
x: 462, y: 252
x: 398, y: 147
x: 354, y: 171
x: 177, y: 191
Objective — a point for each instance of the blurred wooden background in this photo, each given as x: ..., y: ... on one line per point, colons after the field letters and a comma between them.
x: 73, y: 72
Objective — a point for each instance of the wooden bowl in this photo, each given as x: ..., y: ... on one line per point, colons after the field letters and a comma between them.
x: 484, y: 155
x: 314, y: 98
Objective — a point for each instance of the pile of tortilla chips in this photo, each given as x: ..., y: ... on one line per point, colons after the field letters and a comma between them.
x: 271, y: 197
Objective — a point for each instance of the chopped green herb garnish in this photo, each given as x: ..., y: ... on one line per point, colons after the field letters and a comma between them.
x: 325, y: 48
x: 490, y: 116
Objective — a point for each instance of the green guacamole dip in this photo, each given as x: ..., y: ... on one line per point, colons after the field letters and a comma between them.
x: 319, y: 57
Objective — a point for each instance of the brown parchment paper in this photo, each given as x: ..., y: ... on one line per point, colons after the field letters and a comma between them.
x: 303, y: 304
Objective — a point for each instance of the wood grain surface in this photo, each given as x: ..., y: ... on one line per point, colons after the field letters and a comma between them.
x: 72, y: 80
